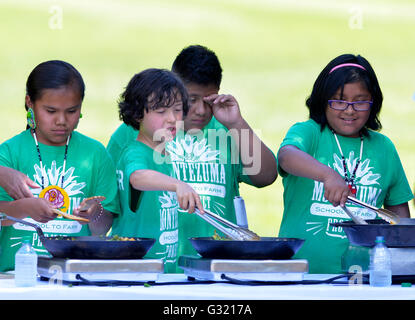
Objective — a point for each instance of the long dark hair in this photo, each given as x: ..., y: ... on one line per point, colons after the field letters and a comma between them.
x: 53, y: 74
x: 162, y: 86
x: 327, y: 83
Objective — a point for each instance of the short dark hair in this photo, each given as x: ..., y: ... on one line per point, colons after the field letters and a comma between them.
x: 162, y: 86
x: 198, y: 64
x: 327, y: 83
x: 53, y: 74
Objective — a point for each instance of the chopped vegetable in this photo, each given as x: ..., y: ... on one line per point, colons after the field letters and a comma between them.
x: 216, y: 236
x: 118, y: 238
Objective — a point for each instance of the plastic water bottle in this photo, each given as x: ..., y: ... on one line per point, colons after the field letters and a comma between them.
x: 25, y: 274
x: 380, y: 272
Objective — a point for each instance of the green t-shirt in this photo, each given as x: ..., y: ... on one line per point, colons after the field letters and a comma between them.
x: 89, y: 172
x: 209, y: 161
x: 147, y: 214
x: 380, y: 180
x: 120, y: 139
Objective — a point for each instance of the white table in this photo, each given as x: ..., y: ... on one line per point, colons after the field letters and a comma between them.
x: 215, y: 291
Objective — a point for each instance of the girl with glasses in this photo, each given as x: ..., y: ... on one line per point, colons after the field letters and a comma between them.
x: 338, y: 153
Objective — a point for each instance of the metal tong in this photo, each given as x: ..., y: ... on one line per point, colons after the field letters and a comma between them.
x: 356, y: 219
x: 232, y: 230
x: 385, y: 214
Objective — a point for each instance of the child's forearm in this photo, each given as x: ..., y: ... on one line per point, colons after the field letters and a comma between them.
x: 37, y: 208
x: 257, y: 159
x: 150, y: 180
x: 296, y: 162
x: 102, y: 224
x: 401, y: 210
x: 13, y: 209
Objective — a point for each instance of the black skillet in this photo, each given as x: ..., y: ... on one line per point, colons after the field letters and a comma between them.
x: 395, y: 235
x: 91, y: 247
x: 266, y: 248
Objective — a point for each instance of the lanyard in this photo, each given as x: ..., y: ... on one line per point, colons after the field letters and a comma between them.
x: 40, y: 159
x: 350, y: 181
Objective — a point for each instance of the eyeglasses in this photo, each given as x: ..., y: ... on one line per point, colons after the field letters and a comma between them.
x: 356, y: 105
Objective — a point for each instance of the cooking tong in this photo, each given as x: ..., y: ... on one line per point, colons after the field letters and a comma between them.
x: 232, y: 230
x: 356, y: 219
x: 385, y: 214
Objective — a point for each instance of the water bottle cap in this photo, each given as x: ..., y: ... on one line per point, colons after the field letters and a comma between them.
x: 380, y: 239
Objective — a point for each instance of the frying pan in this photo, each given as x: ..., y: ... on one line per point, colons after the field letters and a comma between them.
x: 266, y: 248
x: 91, y: 247
x: 395, y: 235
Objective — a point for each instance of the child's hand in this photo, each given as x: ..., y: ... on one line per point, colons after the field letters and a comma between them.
x: 38, y: 209
x: 188, y: 198
x: 16, y: 183
x: 225, y: 109
x: 336, y: 189
x: 90, y: 208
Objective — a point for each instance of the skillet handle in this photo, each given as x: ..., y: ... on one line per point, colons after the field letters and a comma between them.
x: 37, y: 228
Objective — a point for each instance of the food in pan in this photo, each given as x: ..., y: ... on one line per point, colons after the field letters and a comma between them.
x: 216, y: 236
x: 118, y: 238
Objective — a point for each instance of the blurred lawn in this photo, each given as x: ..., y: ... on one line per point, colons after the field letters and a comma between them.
x: 271, y: 53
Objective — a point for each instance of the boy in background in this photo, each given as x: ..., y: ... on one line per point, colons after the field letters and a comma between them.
x: 214, y: 154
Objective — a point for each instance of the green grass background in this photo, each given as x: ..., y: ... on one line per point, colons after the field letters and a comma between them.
x: 271, y: 53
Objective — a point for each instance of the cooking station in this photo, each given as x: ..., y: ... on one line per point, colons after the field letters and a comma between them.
x: 399, y: 239
x: 149, y: 270
x: 233, y: 269
x: 262, y: 270
x: 100, y: 270
x: 198, y: 269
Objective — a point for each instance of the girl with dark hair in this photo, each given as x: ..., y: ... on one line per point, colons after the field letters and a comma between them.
x: 336, y: 154
x: 153, y: 102
x: 67, y: 166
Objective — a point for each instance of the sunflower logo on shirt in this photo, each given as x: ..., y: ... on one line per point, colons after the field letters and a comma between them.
x: 59, y: 186
x: 190, y: 149
x: 364, y: 174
